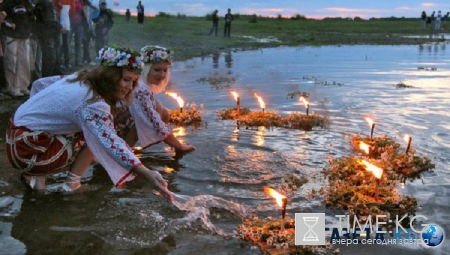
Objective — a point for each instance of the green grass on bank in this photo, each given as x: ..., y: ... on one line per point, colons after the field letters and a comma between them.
x: 188, y: 36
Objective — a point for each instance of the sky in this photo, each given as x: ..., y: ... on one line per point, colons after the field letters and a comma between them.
x: 316, y: 9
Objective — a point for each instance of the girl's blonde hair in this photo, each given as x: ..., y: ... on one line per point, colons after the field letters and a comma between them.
x: 156, y: 89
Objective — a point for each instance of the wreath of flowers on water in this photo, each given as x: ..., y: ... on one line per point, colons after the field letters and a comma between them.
x: 156, y: 54
x: 121, y: 57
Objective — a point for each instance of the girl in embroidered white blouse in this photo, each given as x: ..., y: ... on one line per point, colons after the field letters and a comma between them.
x: 146, y: 120
x: 69, y: 124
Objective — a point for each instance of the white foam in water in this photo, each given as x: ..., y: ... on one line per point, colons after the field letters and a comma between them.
x: 197, y: 208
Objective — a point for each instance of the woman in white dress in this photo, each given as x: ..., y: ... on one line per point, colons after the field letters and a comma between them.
x: 146, y: 120
x: 71, y: 123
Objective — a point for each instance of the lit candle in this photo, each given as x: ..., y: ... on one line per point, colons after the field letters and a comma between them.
x: 281, y: 201
x: 372, y: 125
x: 261, y: 102
x: 302, y: 99
x: 377, y: 172
x: 407, y: 139
x: 178, y: 98
x: 365, y: 147
x: 238, y: 101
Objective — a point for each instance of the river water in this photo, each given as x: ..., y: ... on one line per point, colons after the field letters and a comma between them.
x: 223, y: 179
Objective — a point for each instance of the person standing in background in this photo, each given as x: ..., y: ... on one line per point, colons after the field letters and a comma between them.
x: 103, y: 23
x: 423, y: 17
x: 445, y: 21
x: 17, y: 32
x: 77, y: 29
x: 128, y: 15
x: 433, y: 21
x: 140, y: 14
x: 2, y: 69
x: 228, y: 20
x: 438, y: 20
x: 48, y: 32
x: 63, y: 9
x: 88, y: 31
x: 215, y: 20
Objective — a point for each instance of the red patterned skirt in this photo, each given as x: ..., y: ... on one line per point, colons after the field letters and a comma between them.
x: 38, y: 152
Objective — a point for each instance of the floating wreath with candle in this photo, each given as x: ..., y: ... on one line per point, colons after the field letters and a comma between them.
x: 270, y: 118
x: 276, y: 236
x: 352, y: 187
x: 387, y: 152
x: 267, y: 234
x: 190, y: 115
x: 377, y: 145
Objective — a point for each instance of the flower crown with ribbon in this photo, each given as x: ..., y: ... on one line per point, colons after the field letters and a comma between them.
x: 156, y: 54
x: 121, y: 57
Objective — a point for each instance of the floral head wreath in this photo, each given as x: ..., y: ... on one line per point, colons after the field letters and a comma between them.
x: 156, y: 54
x: 121, y: 57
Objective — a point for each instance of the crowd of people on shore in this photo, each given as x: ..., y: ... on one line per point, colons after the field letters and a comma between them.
x: 435, y: 21
x: 37, y: 34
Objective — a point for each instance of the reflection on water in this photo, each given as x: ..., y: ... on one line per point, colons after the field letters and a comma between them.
x: 228, y: 59
x: 215, y: 59
x: 223, y: 179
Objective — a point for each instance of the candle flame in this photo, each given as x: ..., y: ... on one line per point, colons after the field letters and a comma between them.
x: 261, y: 102
x: 306, y: 103
x: 176, y: 97
x: 370, y: 121
x: 406, y: 138
x: 278, y: 197
x: 364, y: 147
x: 377, y: 172
x: 236, y: 95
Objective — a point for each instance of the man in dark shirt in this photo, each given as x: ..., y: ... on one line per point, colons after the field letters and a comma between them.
x: 215, y: 20
x: 228, y: 20
x: 140, y: 14
x: 103, y: 23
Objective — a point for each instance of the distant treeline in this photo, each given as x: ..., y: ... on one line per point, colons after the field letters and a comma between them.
x: 254, y: 17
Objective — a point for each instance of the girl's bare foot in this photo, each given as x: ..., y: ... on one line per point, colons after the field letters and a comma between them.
x: 34, y: 182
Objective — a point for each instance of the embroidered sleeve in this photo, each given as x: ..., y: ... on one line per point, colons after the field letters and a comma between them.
x: 111, y: 151
x: 150, y: 128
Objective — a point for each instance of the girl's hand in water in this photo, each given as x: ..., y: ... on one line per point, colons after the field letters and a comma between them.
x: 186, y: 148
x: 155, y: 178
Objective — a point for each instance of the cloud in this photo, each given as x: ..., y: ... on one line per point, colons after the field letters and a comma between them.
x: 349, y: 10
x: 427, y: 4
x: 266, y: 12
x: 403, y: 8
x: 273, y: 10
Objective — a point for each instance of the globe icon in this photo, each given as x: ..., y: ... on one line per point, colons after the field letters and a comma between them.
x: 433, y: 235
